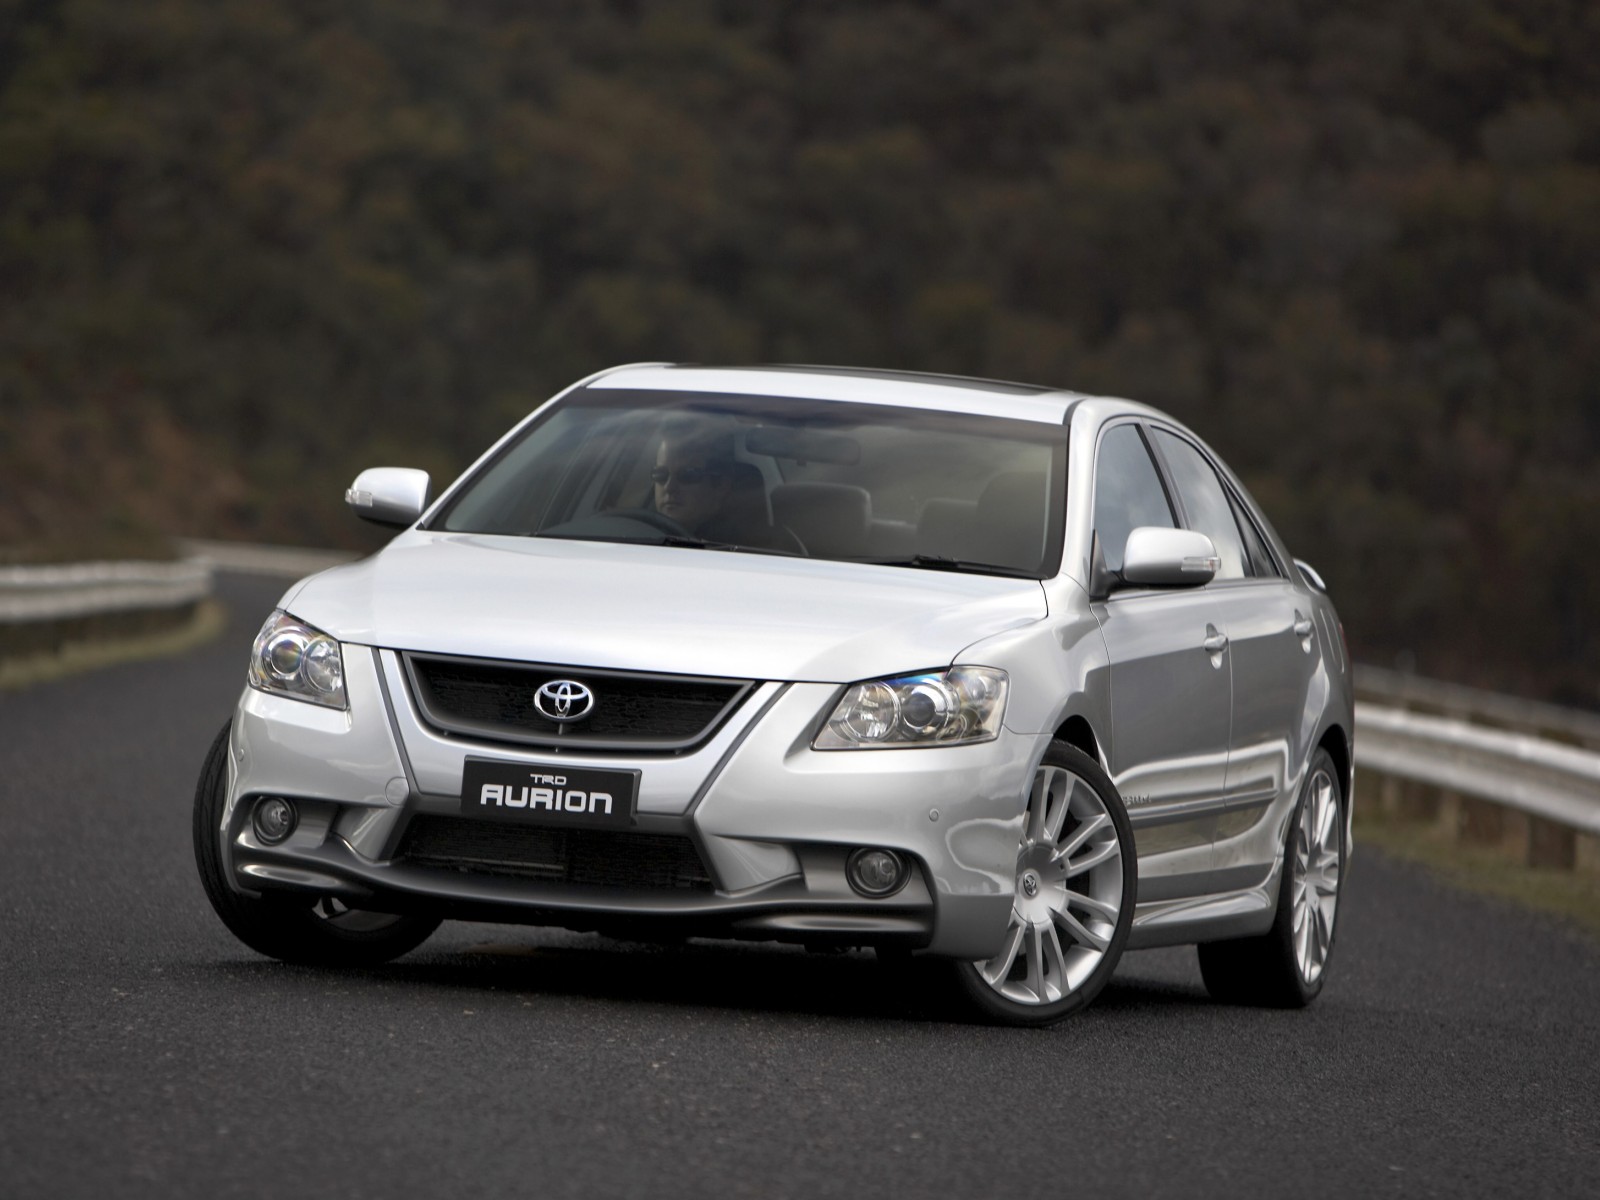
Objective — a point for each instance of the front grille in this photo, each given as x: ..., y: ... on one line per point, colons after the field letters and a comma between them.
x: 582, y: 857
x: 493, y: 699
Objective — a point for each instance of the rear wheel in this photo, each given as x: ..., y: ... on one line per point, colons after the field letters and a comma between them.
x: 1286, y: 966
x: 320, y: 931
x: 1076, y: 877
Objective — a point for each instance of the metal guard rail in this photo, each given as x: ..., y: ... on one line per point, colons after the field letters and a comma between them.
x: 1544, y: 779
x: 1399, y: 689
x: 74, y: 590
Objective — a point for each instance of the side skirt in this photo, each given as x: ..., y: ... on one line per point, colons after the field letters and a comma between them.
x: 1246, y: 912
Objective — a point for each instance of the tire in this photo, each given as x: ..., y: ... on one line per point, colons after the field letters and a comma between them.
x: 1065, y: 936
x: 1287, y: 966
x: 294, y: 928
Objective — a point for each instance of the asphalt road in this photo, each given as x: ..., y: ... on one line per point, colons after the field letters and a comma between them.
x: 143, y: 1052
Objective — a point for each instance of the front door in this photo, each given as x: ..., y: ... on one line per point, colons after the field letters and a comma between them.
x: 1171, y: 698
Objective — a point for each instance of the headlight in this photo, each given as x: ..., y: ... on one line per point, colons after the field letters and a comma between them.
x: 935, y: 708
x: 290, y: 658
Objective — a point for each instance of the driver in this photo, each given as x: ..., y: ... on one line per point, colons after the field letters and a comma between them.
x: 692, y: 477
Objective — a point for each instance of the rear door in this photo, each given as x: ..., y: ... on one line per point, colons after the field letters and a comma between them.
x: 1272, y: 651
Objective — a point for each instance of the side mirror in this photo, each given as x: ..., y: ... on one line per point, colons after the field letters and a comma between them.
x: 389, y: 495
x: 1169, y: 558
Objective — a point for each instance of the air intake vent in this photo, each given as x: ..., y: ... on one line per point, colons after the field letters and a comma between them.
x: 579, y: 857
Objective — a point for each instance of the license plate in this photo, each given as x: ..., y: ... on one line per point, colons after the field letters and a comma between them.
x: 549, y: 794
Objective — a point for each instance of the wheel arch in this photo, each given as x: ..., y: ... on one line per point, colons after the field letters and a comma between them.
x: 1076, y: 731
x: 1336, y: 741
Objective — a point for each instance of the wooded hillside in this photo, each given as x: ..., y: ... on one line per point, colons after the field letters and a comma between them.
x: 247, y: 248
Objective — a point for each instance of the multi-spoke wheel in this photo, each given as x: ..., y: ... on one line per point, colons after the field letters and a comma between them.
x: 323, y: 931
x: 1315, y: 867
x: 1286, y: 966
x: 1075, y: 884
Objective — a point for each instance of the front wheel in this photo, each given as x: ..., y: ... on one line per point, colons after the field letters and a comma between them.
x: 1076, y: 881
x: 319, y: 932
x: 1287, y: 966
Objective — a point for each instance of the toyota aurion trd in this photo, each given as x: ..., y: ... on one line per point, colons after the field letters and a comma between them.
x: 1005, y: 676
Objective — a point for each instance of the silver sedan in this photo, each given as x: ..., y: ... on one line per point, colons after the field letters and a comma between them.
x: 1004, y: 676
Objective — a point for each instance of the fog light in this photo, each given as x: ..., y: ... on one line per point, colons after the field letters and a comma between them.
x: 875, y: 873
x: 273, y: 820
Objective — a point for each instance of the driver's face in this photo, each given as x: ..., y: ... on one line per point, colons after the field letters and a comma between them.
x: 689, y: 495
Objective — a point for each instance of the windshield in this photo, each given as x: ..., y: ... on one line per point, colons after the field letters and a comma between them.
x: 853, y: 482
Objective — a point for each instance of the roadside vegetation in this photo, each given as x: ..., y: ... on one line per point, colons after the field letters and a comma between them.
x: 247, y: 249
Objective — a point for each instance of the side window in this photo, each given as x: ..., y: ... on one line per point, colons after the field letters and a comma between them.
x: 1260, y: 558
x: 1127, y: 492
x: 1204, y: 501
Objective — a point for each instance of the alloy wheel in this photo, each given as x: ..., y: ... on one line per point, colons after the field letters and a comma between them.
x: 1314, y: 875
x: 1068, y: 893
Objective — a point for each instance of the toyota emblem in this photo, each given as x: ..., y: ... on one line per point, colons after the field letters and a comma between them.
x: 564, y: 700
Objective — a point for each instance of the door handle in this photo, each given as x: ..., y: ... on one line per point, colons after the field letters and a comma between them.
x: 1215, y: 642
x: 1302, y: 630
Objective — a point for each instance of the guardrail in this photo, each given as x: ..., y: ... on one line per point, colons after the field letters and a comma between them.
x: 285, y: 562
x: 1489, y: 768
x: 1396, y: 689
x: 57, y: 592
x: 44, y: 608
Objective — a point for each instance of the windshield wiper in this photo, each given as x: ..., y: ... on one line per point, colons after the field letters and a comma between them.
x: 941, y: 562
x: 588, y: 537
x: 697, y: 543
x: 687, y: 541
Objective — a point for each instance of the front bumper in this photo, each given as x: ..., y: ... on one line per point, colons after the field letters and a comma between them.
x: 772, y: 820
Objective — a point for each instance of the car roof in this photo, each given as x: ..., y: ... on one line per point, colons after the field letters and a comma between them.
x: 901, y: 389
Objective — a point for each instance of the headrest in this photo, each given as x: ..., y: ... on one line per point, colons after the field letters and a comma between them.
x: 745, y: 477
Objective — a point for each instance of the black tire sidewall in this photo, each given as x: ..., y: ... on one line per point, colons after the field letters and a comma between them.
x: 1264, y: 970
x: 282, y: 927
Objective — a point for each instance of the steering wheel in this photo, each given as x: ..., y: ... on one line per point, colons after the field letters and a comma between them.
x: 652, y: 518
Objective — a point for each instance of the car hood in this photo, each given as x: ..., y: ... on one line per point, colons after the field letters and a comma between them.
x: 659, y: 608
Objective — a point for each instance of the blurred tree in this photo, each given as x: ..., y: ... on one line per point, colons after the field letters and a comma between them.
x: 246, y: 249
